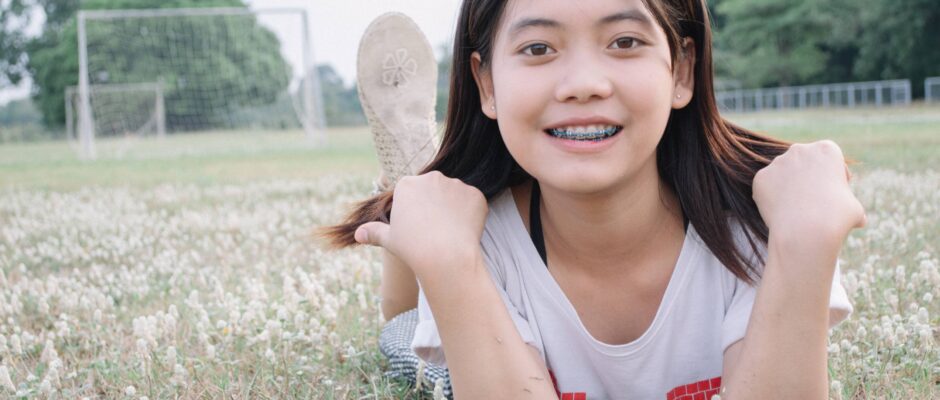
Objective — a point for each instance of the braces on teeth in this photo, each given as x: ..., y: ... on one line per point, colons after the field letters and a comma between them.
x: 594, y: 136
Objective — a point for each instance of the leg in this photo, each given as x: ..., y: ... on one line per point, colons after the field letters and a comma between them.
x: 397, y: 79
x: 397, y: 83
x: 395, y: 344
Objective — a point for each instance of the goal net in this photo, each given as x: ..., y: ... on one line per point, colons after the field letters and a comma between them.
x: 191, y: 70
x: 932, y: 89
x: 119, y: 110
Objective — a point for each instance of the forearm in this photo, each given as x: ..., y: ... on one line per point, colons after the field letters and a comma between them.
x: 485, y: 354
x: 399, y: 287
x: 784, y: 352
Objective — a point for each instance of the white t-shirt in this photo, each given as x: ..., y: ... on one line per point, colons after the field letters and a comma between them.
x: 704, y: 310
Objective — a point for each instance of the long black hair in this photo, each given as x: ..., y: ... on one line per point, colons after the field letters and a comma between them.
x: 709, y: 162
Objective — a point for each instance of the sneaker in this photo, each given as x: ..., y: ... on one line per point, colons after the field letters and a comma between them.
x: 397, y: 85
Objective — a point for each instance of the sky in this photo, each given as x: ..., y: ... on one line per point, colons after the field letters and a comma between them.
x: 335, y: 27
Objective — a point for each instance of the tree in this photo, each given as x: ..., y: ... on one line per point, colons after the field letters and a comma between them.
x: 772, y: 42
x: 13, y: 17
x: 252, y: 63
x: 898, y: 39
x: 341, y: 104
x: 781, y: 42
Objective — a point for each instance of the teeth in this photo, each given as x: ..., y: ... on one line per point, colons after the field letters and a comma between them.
x: 584, y: 132
x: 586, y: 128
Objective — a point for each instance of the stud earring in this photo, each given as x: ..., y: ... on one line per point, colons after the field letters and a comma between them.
x: 493, y: 108
x: 678, y: 96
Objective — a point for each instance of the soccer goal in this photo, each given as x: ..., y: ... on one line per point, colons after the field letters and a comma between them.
x: 132, y: 109
x: 192, y: 70
x: 932, y: 89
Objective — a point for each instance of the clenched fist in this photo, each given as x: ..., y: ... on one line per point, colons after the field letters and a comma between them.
x: 804, y: 196
x: 436, y: 223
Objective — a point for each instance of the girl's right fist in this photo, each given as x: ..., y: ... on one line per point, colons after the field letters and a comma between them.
x: 436, y: 223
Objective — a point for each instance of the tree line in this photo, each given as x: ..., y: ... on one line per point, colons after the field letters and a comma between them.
x: 757, y: 43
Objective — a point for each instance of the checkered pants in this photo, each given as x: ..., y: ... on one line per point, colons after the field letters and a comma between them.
x: 395, y: 344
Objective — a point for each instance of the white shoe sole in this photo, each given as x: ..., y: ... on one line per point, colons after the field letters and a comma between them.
x: 397, y: 85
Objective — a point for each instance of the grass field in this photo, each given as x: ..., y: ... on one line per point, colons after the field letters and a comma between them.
x: 184, y: 267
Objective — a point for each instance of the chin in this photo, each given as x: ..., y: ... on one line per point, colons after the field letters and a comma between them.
x: 579, y: 183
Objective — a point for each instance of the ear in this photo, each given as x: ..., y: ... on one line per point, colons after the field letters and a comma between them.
x: 684, y: 75
x: 484, y: 84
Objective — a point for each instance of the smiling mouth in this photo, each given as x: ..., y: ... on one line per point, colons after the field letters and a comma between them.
x: 594, y: 133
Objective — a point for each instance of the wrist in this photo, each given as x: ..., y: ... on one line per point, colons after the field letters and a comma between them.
x: 806, y: 238
x: 452, y: 269
x: 803, y: 251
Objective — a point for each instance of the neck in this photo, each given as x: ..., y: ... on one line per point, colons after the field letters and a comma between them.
x: 628, y: 227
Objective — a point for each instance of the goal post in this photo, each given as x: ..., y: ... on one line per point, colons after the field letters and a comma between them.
x: 217, y: 69
x: 119, y: 109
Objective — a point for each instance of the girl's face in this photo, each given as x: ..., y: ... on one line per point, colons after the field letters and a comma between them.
x: 569, y: 68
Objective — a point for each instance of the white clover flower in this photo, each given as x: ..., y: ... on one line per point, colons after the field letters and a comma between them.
x: 43, y: 306
x: 834, y: 348
x: 901, y: 333
x: 419, y: 375
x: 925, y: 336
x: 48, y: 352
x: 171, y: 355
x: 169, y: 323
x: 180, y: 376
x: 363, y: 304
x: 836, y: 387
x: 439, y: 389
x: 143, y: 349
x: 130, y: 390
x: 46, y: 388
x: 5, y: 381
x: 269, y: 355
x: 923, y: 316
x: 53, y: 372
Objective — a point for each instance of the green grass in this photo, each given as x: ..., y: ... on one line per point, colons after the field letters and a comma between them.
x: 199, y: 158
x: 905, y: 139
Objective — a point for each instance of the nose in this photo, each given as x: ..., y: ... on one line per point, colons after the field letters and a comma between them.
x: 584, y: 79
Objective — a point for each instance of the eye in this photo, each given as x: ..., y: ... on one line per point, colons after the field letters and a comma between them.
x: 626, y: 42
x: 537, y: 49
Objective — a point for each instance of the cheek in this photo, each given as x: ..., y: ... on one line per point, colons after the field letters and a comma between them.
x: 521, y: 100
x: 647, y: 96
x: 521, y: 96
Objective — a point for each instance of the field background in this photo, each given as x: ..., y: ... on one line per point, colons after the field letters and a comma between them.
x: 184, y: 267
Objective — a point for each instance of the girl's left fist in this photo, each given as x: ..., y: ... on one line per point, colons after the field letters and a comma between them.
x: 804, y: 195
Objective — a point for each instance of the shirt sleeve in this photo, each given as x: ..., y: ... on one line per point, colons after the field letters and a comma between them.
x: 427, y: 340
x: 742, y: 302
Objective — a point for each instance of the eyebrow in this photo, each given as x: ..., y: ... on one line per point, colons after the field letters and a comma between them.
x: 632, y: 15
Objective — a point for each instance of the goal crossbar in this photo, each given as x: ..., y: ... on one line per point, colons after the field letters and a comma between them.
x: 183, y: 12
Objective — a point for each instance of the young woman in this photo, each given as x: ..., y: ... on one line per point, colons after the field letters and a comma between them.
x: 592, y: 228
